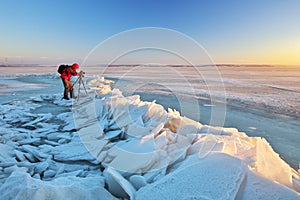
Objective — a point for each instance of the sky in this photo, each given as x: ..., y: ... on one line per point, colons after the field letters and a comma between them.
x: 230, y: 31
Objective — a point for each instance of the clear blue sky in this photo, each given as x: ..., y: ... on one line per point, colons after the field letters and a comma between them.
x: 232, y: 31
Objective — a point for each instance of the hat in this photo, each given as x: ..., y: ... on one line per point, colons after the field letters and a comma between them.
x: 75, y: 66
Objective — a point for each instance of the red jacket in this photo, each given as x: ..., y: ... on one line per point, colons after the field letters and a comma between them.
x: 67, y: 73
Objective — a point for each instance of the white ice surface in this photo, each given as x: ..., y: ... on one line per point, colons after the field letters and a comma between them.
x: 156, y: 152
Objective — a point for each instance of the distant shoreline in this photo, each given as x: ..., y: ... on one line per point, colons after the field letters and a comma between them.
x: 158, y: 65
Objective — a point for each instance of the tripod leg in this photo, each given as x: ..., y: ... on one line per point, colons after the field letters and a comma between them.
x: 79, y: 83
x: 84, y: 87
x: 76, y: 81
x: 73, y: 87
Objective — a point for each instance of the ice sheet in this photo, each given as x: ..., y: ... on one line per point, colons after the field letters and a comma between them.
x: 48, y: 147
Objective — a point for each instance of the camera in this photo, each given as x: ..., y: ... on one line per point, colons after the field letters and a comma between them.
x: 81, y: 73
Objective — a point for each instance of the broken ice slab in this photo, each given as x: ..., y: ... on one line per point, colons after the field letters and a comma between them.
x: 187, y: 130
x: 69, y: 187
x: 185, y: 182
x: 112, y: 134
x: 136, y: 112
x: 95, y: 148
x: 209, y: 144
x: 296, y: 184
x: 118, y: 185
x: 135, y: 130
x: 139, y: 152
x: 211, y: 130
x: 138, y: 181
x: 78, y: 151
x: 35, y: 152
x: 29, y: 141
x: 91, y: 132
x: 30, y: 157
x: 9, y: 170
x: 65, y: 116
x: 57, y: 136
x: 40, y: 117
x: 152, y: 175
x: 49, y: 174
x: 20, y: 155
x: 267, y: 159
x: 161, y: 140
x: 52, y: 143
x: 41, y: 167
x: 6, y: 152
x: 71, y: 152
x: 36, y: 99
x: 258, y: 187
x: 177, y: 151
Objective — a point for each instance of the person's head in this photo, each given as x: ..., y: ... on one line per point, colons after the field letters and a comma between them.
x: 75, y: 66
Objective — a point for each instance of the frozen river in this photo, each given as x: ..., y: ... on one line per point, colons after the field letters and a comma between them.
x: 259, y: 100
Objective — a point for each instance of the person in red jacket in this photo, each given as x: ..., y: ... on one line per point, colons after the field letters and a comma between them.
x: 66, y: 79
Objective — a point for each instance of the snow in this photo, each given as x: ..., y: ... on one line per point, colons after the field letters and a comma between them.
x: 108, y: 145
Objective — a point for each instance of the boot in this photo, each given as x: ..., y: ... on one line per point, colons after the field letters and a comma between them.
x: 72, y: 95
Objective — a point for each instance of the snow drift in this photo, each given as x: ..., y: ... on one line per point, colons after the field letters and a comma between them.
x: 110, y: 146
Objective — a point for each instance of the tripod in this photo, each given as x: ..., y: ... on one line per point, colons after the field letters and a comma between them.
x: 80, y: 83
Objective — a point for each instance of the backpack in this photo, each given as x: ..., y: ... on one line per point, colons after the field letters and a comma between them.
x: 62, y: 68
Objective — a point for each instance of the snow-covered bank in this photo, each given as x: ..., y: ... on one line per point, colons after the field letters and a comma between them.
x: 137, y: 148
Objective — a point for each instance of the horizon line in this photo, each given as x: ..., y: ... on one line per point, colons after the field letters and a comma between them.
x: 142, y: 64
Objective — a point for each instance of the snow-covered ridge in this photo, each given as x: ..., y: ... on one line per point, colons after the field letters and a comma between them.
x: 116, y: 146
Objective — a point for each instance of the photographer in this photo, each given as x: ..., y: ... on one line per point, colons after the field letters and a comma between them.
x: 65, y: 73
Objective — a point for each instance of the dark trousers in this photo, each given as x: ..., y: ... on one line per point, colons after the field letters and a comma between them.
x: 68, y: 85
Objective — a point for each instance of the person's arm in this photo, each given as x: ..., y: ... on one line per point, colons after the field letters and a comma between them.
x: 73, y: 72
